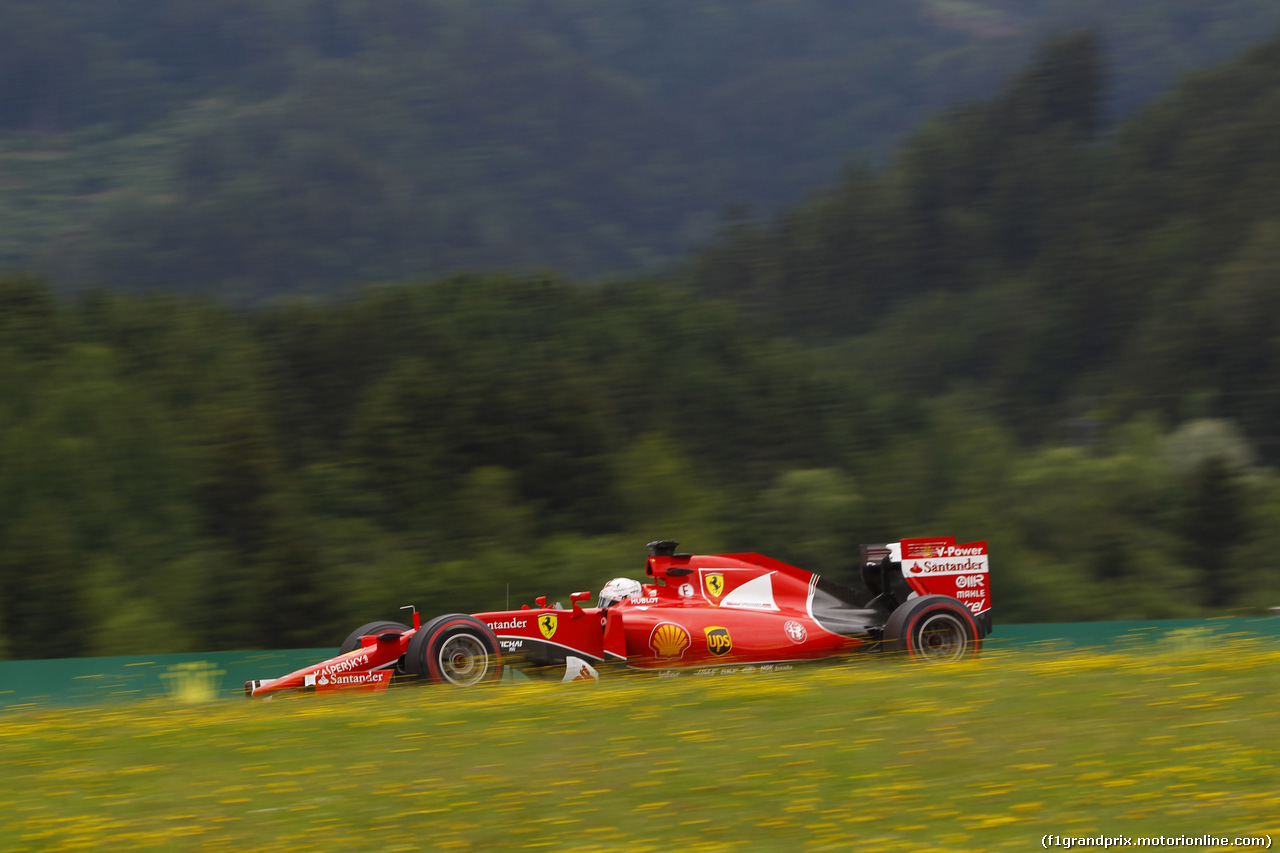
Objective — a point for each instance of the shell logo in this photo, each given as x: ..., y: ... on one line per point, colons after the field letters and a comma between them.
x: 669, y: 640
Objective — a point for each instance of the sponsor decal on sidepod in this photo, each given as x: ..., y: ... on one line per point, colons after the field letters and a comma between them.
x: 718, y: 641
x: 669, y: 640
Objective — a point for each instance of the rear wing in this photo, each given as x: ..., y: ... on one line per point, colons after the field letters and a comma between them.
x: 937, y: 566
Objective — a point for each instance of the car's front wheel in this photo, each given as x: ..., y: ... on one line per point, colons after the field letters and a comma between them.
x: 934, y: 628
x: 455, y: 649
x: 352, y: 642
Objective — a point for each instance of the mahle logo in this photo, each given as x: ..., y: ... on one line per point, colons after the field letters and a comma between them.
x: 715, y: 584
x: 718, y: 641
x: 547, y: 624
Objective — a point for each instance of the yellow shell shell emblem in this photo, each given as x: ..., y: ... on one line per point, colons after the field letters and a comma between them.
x: 669, y: 640
x: 547, y: 624
x: 714, y: 583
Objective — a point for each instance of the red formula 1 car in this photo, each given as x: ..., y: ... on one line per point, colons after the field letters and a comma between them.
x: 927, y: 598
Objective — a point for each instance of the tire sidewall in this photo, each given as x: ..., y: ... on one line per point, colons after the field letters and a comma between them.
x: 900, y: 632
x: 422, y: 658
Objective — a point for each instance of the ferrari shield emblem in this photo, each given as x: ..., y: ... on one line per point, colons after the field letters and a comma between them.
x: 547, y: 624
x: 715, y: 584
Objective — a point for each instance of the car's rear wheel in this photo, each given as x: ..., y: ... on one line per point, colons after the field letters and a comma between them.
x: 455, y: 649
x: 352, y: 642
x: 933, y: 628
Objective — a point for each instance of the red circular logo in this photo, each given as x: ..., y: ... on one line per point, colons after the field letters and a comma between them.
x: 796, y: 632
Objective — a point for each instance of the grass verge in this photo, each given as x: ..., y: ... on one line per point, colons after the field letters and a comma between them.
x: 879, y: 755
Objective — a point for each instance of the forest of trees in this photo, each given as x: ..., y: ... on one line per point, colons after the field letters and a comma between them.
x: 178, y: 475
x: 1031, y: 327
x: 1057, y: 271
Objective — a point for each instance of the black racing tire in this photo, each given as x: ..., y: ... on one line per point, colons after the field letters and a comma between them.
x: 454, y: 649
x: 933, y: 628
x: 352, y: 642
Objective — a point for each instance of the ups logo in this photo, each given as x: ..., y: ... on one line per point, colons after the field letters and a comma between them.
x: 547, y: 624
x: 718, y: 641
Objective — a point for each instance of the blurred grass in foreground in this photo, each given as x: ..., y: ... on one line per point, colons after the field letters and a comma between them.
x: 873, y: 754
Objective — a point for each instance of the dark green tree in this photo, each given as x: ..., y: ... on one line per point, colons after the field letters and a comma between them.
x: 1215, y: 523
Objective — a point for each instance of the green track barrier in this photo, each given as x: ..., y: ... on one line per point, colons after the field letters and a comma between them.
x: 1179, y: 632
x: 188, y: 676
x: 222, y: 674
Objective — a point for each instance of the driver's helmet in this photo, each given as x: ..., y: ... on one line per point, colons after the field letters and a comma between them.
x: 616, y: 590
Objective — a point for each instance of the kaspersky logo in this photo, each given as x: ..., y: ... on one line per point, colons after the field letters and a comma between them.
x: 547, y: 624
x: 718, y: 641
x: 714, y: 584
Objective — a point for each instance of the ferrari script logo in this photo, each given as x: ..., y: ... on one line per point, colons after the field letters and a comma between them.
x: 718, y: 641
x: 547, y: 624
x: 714, y: 584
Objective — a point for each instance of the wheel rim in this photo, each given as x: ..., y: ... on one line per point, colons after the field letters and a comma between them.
x: 942, y: 637
x: 463, y: 660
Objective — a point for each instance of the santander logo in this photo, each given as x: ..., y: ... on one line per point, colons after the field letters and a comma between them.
x: 950, y: 567
x: 942, y: 557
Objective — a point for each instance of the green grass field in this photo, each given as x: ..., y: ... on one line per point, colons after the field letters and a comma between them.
x: 869, y: 755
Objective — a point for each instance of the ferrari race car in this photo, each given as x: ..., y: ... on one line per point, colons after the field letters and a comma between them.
x: 926, y: 598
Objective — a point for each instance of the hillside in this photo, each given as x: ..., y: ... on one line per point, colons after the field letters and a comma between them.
x: 1031, y: 328
x: 1059, y: 269
x: 306, y: 146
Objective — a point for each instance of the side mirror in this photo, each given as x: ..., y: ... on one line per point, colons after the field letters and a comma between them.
x: 541, y: 601
x: 576, y: 597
